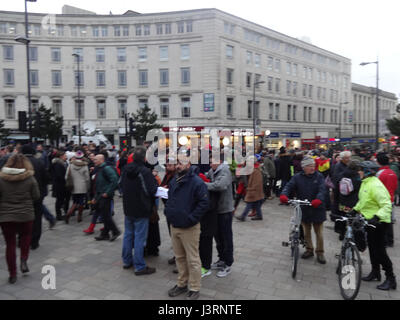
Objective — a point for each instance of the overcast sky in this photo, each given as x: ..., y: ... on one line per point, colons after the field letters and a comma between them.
x: 360, y: 30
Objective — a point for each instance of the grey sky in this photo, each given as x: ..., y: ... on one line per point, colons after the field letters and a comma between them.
x: 360, y: 30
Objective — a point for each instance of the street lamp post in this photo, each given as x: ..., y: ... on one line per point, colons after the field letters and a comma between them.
x: 340, y: 120
x: 25, y: 40
x: 78, y: 77
x: 254, y: 113
x: 377, y: 102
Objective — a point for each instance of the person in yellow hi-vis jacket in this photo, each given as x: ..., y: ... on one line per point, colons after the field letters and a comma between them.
x: 375, y: 205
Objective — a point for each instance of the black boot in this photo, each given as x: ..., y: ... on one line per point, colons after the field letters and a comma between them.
x: 374, y: 275
x: 390, y: 283
x: 24, y: 266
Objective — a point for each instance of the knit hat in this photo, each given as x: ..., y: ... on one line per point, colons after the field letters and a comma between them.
x: 79, y: 154
x: 307, y: 161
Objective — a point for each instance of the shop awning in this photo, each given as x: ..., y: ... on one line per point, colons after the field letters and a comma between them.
x: 18, y: 137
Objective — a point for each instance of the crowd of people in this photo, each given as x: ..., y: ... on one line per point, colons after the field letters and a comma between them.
x: 202, y: 201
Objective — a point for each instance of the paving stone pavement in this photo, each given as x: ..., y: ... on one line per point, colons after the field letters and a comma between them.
x: 91, y: 270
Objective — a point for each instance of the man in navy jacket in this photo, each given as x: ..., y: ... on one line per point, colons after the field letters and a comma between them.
x: 188, y: 200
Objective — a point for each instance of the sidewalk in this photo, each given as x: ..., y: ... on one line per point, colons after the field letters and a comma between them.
x: 87, y: 269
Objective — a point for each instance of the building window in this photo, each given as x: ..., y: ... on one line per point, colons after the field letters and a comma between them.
x: 101, y: 78
x: 257, y: 60
x: 143, y: 102
x: 167, y: 28
x: 249, y: 58
x: 104, y: 31
x: 270, y: 83
x: 319, y: 114
x: 60, y: 31
x: 79, y: 52
x: 117, y: 31
x: 33, y: 53
x: 138, y: 30
x: 12, y: 28
x: 57, y: 107
x: 143, y: 78
x: 229, y: 52
x: 101, y: 109
x: 9, y: 77
x: 185, y: 52
x: 229, y: 76
x: 83, y: 31
x: 248, y: 80
x: 249, y: 109
x: 277, y: 65
x: 146, y: 30
x: 79, y: 109
x: 164, y: 107
x: 122, y: 78
x: 319, y: 93
x: 310, y: 73
x: 8, y: 53
x: 3, y: 27
x: 323, y: 115
x: 288, y: 87
x: 289, y: 111
x: 121, y: 54
x: 257, y: 79
x: 10, y: 108
x: 288, y: 68
x: 309, y: 114
x: 271, y: 111
x: 95, y: 31
x: 34, y: 77
x: 100, y: 55
x: 229, y: 107
x: 304, y: 91
x: 79, y: 79
x: 164, y: 53
x: 56, y: 78
x: 164, y: 77
x: 270, y: 63
x: 185, y: 107
x: 185, y: 76
x: 310, y: 91
x: 159, y: 28
x: 305, y: 114
x: 294, y: 70
x: 55, y: 54
x: 35, y: 105
x: 277, y: 111
x: 294, y: 113
x: 294, y: 88
x: 277, y: 85
x: 142, y: 54
x: 189, y: 26
x: 181, y: 27
x: 122, y: 108
x: 125, y: 30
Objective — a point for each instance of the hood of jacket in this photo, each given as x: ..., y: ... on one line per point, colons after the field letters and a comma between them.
x: 79, y: 164
x: 12, y: 174
x: 58, y: 160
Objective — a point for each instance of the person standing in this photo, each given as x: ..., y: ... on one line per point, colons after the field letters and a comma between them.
x: 58, y: 170
x: 285, y: 162
x: 310, y: 185
x: 42, y: 179
x: 221, y: 183
x: 254, y: 193
x: 138, y: 194
x: 270, y: 173
x: 78, y: 173
x: 376, y: 207
x: 187, y: 202
x: 105, y: 185
x: 18, y: 191
x: 389, y: 178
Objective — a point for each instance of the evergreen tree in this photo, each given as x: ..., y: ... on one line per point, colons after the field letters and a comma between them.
x: 46, y: 124
x: 145, y: 120
x: 393, y: 126
x: 3, y: 131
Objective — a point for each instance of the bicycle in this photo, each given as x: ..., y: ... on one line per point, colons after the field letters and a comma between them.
x: 349, y: 268
x: 296, y: 234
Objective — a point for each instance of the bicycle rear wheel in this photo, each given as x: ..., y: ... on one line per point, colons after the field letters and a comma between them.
x: 349, y: 271
x: 295, y: 259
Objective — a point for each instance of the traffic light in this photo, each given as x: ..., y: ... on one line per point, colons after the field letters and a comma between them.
x: 131, y: 125
x: 22, y: 121
x: 74, y: 130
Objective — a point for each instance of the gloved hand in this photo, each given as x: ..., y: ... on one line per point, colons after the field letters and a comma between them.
x: 283, y: 198
x: 316, y: 203
x: 204, y: 178
x: 374, y: 221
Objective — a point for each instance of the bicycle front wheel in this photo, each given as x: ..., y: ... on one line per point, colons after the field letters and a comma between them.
x: 295, y: 259
x: 349, y: 271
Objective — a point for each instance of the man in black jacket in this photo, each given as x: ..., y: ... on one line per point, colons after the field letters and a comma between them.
x: 188, y: 201
x: 138, y: 192
x: 42, y: 179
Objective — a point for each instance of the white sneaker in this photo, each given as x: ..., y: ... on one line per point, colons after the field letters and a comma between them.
x: 219, y: 265
x: 205, y: 272
x: 224, y: 272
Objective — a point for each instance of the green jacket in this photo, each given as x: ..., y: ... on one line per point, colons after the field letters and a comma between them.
x: 374, y: 199
x: 106, y: 181
x: 395, y: 167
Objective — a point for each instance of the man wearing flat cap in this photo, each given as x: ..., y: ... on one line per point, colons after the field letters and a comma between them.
x: 310, y: 185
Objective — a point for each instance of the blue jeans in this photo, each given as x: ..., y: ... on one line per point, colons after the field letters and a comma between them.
x: 135, y: 237
x: 253, y: 205
x: 46, y: 213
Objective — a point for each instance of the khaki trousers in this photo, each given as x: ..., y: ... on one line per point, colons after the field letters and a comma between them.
x: 318, y: 229
x: 185, y: 243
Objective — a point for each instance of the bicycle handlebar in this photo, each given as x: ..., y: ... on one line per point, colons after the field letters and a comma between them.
x: 300, y: 202
x: 344, y: 218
